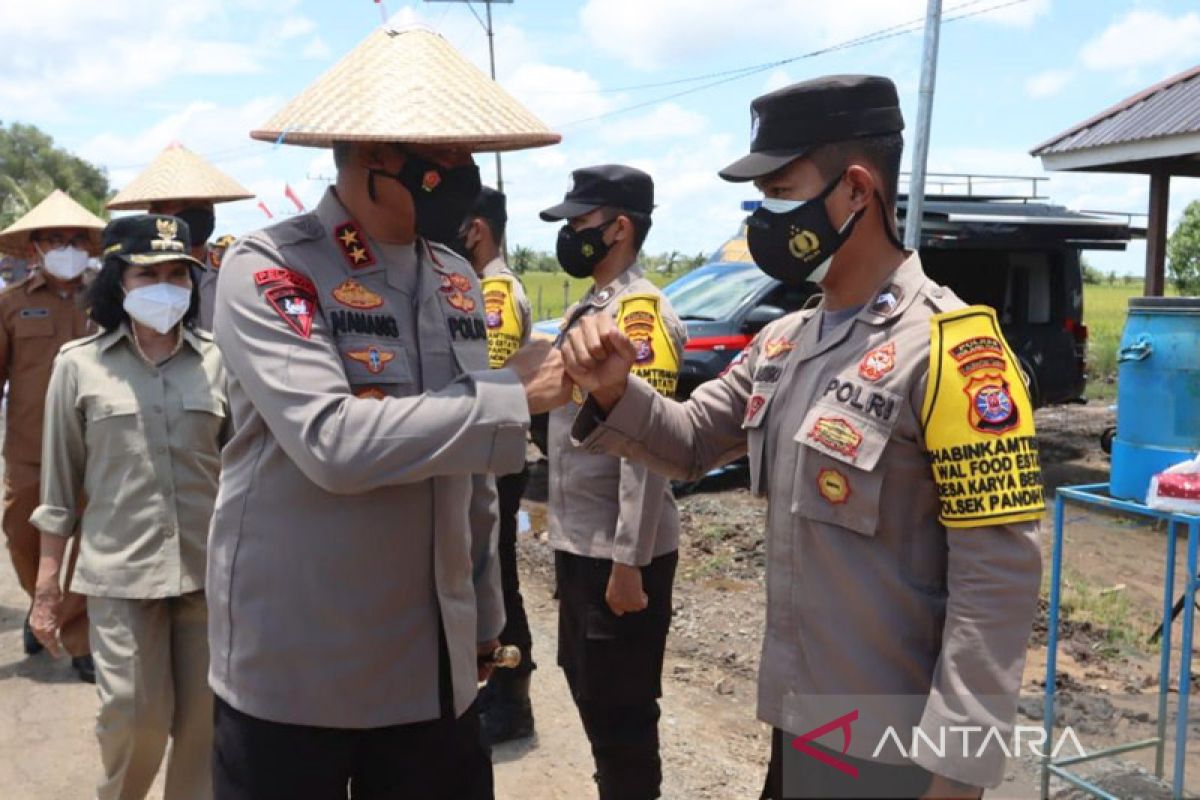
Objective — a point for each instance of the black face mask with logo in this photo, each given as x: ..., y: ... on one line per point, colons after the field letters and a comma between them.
x: 791, y: 245
x: 580, y: 252
x: 441, y: 196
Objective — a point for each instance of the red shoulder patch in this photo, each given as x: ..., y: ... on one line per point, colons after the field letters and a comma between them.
x: 295, y: 306
x: 284, y: 277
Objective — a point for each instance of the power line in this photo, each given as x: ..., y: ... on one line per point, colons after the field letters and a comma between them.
x: 877, y: 36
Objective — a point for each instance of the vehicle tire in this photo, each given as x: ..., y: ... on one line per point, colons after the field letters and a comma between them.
x: 1030, y: 378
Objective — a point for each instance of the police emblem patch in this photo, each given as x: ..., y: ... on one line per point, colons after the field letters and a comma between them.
x: 836, y: 434
x: 777, y: 347
x: 461, y: 301
x: 991, y: 409
x: 372, y: 358
x: 353, y: 294
x: 878, y: 362
x: 295, y: 306
x: 833, y: 486
x: 453, y: 282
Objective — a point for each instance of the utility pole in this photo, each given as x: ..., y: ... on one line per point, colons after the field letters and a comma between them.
x: 916, y: 184
x: 487, y: 27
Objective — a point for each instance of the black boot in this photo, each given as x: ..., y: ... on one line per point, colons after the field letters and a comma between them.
x: 31, y: 643
x: 85, y: 668
x: 509, y: 714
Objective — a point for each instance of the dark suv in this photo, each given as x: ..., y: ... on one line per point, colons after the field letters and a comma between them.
x: 1019, y: 256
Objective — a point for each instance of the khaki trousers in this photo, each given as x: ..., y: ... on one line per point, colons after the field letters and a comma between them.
x: 24, y: 548
x: 152, y: 677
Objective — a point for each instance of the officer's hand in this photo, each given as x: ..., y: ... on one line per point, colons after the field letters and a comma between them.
x: 46, y: 615
x: 598, y: 357
x: 484, y: 652
x: 539, y: 365
x: 624, y: 593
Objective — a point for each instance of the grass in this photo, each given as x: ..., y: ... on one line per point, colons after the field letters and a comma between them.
x: 546, y: 291
x: 1104, y: 311
x: 1107, y: 609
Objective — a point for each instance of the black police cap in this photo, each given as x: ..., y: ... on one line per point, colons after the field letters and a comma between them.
x: 613, y: 185
x: 148, y: 239
x: 789, y: 122
x: 490, y: 204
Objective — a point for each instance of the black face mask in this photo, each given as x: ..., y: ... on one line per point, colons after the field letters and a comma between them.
x: 791, y: 245
x: 441, y: 196
x: 200, y: 221
x: 459, y: 245
x: 579, y: 252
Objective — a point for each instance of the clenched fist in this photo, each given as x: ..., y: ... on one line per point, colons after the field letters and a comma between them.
x: 540, y: 367
x: 598, y: 358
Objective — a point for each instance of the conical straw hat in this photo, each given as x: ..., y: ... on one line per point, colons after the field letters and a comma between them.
x: 178, y: 174
x: 407, y: 86
x: 58, y: 210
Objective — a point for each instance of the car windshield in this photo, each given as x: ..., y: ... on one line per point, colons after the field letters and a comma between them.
x: 713, y: 292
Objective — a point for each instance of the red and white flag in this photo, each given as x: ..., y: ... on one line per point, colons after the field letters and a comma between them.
x: 291, y: 195
x: 262, y: 204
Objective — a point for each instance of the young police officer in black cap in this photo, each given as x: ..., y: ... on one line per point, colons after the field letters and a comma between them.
x: 613, y: 524
x: 900, y: 587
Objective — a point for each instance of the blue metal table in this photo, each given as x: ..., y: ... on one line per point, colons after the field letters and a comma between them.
x: 1096, y: 496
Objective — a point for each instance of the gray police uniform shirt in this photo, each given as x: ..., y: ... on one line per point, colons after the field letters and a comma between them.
x: 869, y: 594
x: 345, y: 532
x: 601, y: 505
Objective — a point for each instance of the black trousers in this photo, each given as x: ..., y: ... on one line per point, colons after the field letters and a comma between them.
x: 254, y: 759
x: 809, y: 778
x: 511, y: 488
x: 614, y: 668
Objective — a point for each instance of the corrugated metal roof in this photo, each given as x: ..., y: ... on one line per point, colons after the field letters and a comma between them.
x: 1170, y: 108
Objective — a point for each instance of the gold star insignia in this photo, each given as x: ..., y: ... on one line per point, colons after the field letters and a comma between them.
x: 358, y: 254
x: 349, y: 237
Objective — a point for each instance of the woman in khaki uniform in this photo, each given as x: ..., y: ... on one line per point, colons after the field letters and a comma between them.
x: 135, y: 419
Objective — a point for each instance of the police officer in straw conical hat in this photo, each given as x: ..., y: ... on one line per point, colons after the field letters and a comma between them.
x: 353, y: 583
x: 182, y: 184
x: 890, y: 428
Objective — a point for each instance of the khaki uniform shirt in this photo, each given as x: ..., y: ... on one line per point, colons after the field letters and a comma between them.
x: 603, y: 506
x: 876, y: 587
x: 35, y: 321
x: 506, y: 311
x: 143, y: 444
x: 344, y: 533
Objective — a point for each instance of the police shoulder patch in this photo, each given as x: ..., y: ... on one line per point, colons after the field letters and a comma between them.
x: 656, y: 359
x: 978, y: 422
x: 503, y: 319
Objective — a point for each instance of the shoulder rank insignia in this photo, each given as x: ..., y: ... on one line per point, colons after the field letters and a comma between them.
x: 656, y: 360
x: 978, y: 422
x: 353, y: 294
x: 353, y: 244
x: 372, y: 358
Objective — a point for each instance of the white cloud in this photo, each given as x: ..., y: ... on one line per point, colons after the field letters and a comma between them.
x: 651, y: 35
x: 667, y: 121
x: 1144, y: 38
x: 293, y: 27
x: 1048, y: 83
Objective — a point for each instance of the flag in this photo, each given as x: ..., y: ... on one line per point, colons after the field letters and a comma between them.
x: 262, y: 204
x: 291, y: 195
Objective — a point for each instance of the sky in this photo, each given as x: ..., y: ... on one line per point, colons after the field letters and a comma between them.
x: 623, y: 81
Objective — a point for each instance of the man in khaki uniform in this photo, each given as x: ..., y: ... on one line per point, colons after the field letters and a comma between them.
x: 891, y: 431
x: 354, y: 596
x: 505, y: 712
x: 182, y: 184
x: 613, y: 524
x: 38, y: 315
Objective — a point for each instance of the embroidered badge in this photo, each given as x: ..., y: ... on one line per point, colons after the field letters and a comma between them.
x: 431, y: 180
x: 833, y: 486
x: 372, y: 358
x: 454, y: 282
x: 285, y: 277
x: 777, y: 347
x: 639, y: 327
x: 987, y: 362
x: 991, y: 409
x: 461, y: 301
x: 353, y: 294
x: 382, y: 325
x: 977, y: 347
x: 469, y: 328
x: 878, y: 362
x: 768, y: 373
x: 354, y: 245
x: 370, y: 393
x: 754, y: 407
x: 836, y: 434
x: 295, y: 306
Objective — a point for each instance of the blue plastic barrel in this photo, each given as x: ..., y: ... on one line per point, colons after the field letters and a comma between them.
x: 1158, y: 392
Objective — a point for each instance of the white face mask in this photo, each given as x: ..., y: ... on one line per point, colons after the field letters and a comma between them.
x: 65, y: 263
x: 160, y: 306
x: 818, y: 274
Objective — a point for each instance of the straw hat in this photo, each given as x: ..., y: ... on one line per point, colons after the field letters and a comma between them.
x: 178, y: 174
x: 58, y: 210
x: 407, y: 86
